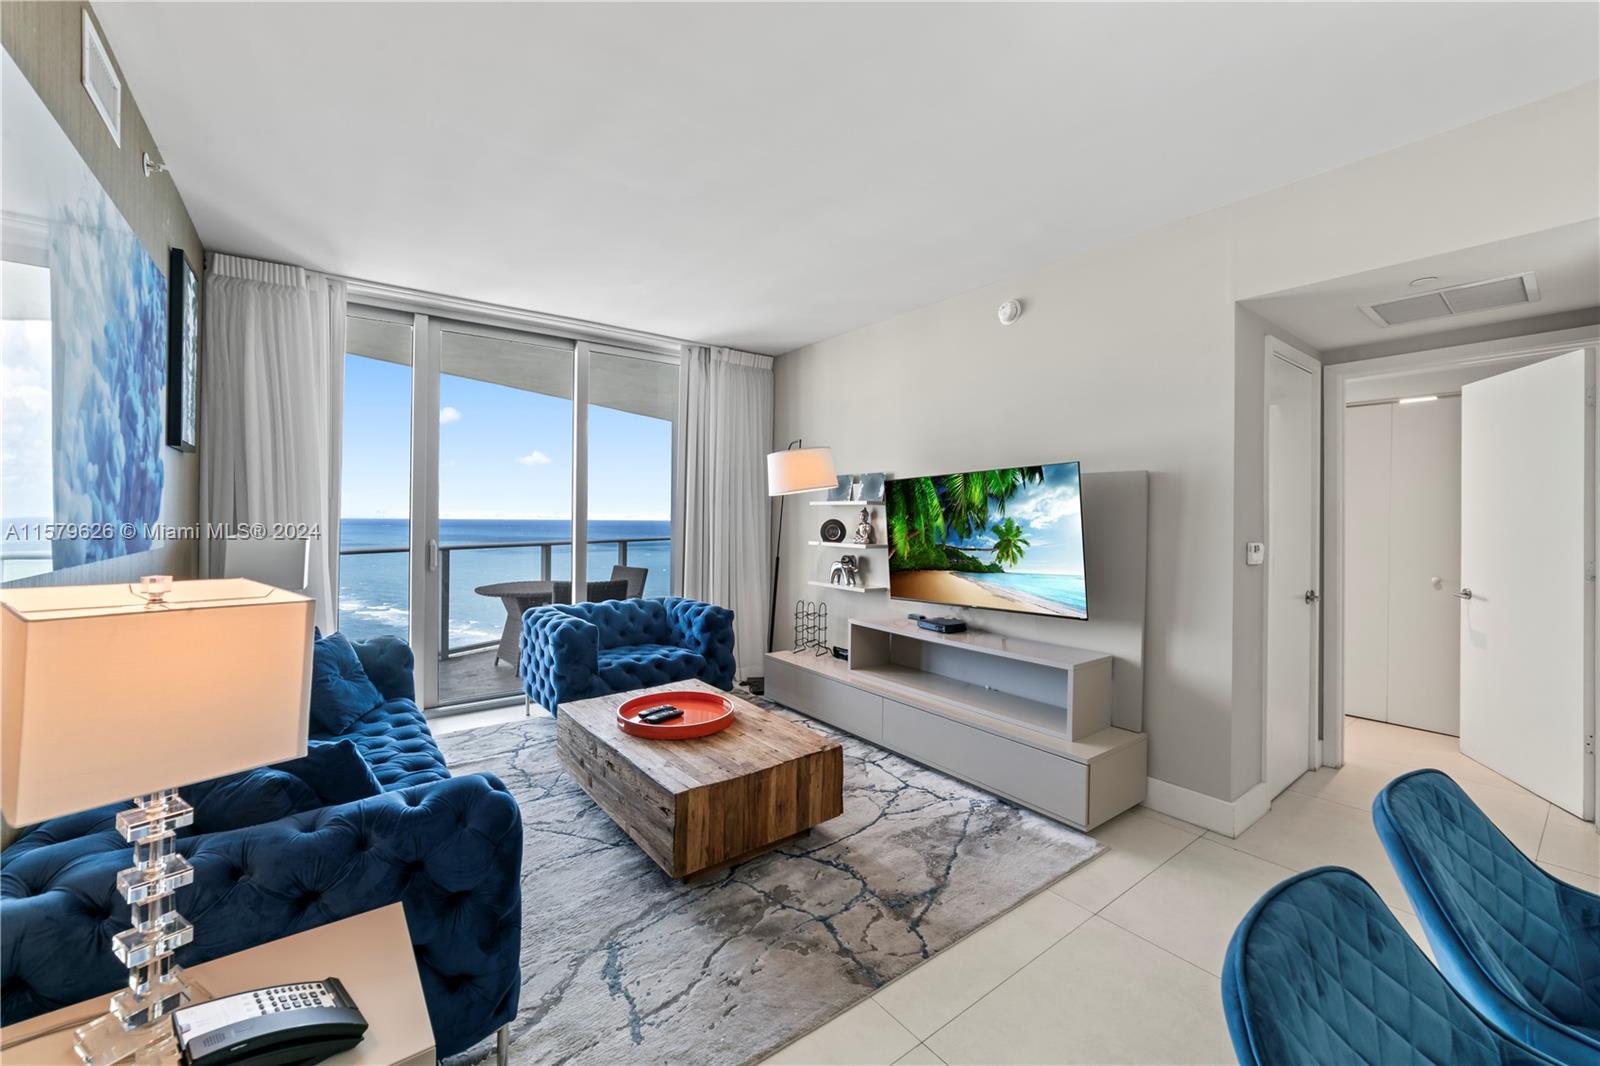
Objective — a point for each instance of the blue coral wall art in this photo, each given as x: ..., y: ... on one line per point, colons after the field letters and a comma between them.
x: 108, y: 338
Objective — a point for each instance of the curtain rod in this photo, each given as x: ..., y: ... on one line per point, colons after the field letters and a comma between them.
x: 419, y: 300
x: 582, y: 329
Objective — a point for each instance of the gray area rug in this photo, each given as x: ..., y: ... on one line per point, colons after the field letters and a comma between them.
x: 622, y: 965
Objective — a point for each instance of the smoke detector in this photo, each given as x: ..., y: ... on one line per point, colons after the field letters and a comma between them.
x: 1009, y: 312
x: 1455, y: 300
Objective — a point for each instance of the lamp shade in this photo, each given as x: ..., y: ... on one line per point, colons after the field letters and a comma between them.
x: 800, y: 470
x: 109, y: 694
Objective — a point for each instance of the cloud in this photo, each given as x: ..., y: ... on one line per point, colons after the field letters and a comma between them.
x: 448, y: 415
x: 1045, y: 509
x: 533, y: 458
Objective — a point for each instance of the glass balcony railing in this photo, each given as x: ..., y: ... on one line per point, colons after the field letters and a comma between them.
x: 470, y: 622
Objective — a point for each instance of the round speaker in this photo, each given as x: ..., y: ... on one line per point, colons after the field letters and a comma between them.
x: 833, y: 531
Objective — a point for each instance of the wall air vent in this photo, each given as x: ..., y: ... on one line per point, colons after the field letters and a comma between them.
x: 100, y: 79
x: 1456, y: 300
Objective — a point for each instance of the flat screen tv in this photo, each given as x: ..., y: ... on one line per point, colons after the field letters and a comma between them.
x: 1009, y: 539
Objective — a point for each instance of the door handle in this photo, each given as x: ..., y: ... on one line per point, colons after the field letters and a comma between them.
x: 433, y: 555
x: 1464, y: 594
x: 1311, y: 596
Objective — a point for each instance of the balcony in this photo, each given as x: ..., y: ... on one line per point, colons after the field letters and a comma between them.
x: 468, y: 667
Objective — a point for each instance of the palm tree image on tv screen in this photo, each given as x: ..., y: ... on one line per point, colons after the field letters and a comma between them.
x: 1010, y: 539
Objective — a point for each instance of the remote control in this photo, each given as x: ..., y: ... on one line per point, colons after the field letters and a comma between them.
x: 657, y: 715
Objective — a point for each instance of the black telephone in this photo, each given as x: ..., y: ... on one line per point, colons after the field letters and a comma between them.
x: 285, y: 1024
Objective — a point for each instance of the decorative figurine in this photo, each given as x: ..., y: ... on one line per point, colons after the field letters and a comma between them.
x: 864, y: 533
x: 847, y: 567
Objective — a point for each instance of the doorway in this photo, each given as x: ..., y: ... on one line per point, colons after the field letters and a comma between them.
x: 1293, y: 557
x: 1506, y: 422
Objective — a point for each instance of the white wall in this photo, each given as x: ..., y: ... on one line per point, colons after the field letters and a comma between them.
x: 1133, y: 357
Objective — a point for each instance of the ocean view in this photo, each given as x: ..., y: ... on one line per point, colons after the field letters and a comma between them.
x: 1065, y: 590
x: 373, y: 593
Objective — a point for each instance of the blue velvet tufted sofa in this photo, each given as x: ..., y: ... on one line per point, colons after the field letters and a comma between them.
x: 577, y: 651
x: 448, y: 848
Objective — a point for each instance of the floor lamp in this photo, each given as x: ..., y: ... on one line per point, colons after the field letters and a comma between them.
x: 795, y: 469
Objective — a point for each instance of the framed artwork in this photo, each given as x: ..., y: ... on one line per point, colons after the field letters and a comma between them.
x: 83, y: 440
x: 183, y: 355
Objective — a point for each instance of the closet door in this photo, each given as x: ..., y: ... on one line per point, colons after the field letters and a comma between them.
x: 1425, y: 566
x: 1366, y: 560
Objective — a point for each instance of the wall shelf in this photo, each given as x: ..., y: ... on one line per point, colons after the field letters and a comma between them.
x: 848, y: 588
x: 845, y: 503
x: 846, y: 545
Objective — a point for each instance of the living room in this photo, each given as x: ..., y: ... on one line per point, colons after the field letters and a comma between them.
x: 1024, y: 458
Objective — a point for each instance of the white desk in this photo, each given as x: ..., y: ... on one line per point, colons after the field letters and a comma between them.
x: 370, y: 953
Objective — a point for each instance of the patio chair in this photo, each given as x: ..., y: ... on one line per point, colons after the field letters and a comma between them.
x: 635, y: 577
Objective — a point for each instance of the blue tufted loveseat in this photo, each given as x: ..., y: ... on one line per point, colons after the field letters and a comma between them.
x: 448, y: 848
x: 576, y: 651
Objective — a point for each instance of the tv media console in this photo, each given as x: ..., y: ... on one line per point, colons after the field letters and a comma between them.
x: 1023, y: 719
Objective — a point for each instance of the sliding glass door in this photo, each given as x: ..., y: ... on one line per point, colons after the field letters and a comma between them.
x: 487, y: 469
x: 504, y: 499
x: 632, y: 409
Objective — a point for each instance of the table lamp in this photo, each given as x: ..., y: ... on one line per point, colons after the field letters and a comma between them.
x: 118, y: 691
x: 795, y: 469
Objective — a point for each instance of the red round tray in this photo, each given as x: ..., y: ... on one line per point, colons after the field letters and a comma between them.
x: 704, y: 713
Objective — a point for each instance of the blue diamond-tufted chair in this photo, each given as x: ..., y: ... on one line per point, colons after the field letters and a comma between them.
x: 1518, y: 944
x: 448, y: 848
x: 1319, y: 971
x: 576, y: 651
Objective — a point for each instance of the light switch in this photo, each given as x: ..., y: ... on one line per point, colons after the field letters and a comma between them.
x: 1255, y: 553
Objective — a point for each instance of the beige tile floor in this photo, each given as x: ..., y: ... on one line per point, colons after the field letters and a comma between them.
x: 1118, y: 962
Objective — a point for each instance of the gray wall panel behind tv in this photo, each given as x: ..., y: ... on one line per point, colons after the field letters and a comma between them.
x: 1116, y: 517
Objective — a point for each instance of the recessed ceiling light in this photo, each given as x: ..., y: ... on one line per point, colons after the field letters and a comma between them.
x: 1430, y: 279
x: 1418, y: 399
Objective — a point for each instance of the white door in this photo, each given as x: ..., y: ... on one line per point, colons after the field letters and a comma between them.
x: 1293, y: 433
x: 1526, y: 605
x: 1424, y: 548
x: 1368, y: 458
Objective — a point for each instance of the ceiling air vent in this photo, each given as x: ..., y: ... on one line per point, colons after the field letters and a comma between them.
x: 1456, y: 300
x: 100, y: 79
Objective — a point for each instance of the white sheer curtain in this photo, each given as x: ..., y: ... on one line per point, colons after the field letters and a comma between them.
x: 274, y: 346
x: 727, y: 433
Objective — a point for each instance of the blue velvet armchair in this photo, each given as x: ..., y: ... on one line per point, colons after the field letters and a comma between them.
x: 448, y: 848
x: 577, y: 651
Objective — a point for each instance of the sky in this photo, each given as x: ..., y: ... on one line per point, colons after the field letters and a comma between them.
x: 1049, y: 517
x: 503, y: 452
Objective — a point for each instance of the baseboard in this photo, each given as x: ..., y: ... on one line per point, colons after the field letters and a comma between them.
x: 1230, y: 818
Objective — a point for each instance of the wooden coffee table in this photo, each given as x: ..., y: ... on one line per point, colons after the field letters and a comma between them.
x: 695, y: 805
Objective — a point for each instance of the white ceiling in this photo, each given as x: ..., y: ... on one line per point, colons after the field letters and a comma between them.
x: 1565, y: 261
x: 768, y: 175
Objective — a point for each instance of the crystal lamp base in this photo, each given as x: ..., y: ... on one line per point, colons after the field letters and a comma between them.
x: 138, y: 1029
x: 108, y: 1040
